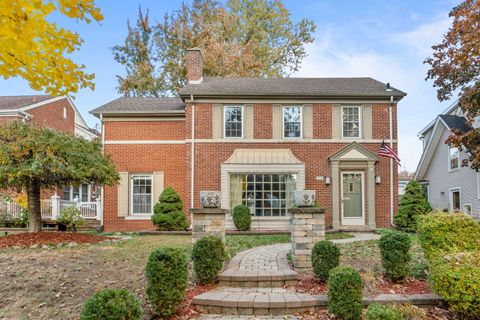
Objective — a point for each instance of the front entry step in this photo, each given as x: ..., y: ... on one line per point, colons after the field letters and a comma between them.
x: 257, y: 301
x: 261, y: 279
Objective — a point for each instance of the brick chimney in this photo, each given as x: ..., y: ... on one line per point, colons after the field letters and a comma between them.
x: 194, y: 65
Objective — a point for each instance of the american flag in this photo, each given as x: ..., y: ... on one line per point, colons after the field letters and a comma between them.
x: 386, y: 151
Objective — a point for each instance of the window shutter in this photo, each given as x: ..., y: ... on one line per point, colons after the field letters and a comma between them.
x: 277, y: 121
x: 123, y: 195
x: 336, y: 121
x: 307, y: 121
x: 217, y: 121
x: 366, y: 119
x: 158, y: 185
x: 248, y: 123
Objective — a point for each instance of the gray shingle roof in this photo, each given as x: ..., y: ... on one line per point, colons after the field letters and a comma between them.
x: 300, y: 87
x: 141, y: 105
x: 456, y: 122
x: 18, y: 102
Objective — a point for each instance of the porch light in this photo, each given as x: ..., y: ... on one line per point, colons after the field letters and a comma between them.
x: 378, y: 179
x: 327, y: 180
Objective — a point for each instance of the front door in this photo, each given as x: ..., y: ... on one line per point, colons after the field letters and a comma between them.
x: 352, y: 199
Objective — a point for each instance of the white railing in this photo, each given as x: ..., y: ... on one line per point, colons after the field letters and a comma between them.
x: 11, y: 208
x: 46, y: 209
x: 88, y: 210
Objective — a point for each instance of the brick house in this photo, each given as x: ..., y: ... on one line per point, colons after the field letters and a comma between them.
x: 257, y: 140
x: 57, y: 113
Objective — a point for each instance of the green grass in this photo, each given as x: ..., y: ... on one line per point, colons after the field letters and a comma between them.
x: 237, y: 243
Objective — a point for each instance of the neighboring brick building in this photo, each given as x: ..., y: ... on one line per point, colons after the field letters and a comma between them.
x: 257, y: 140
x: 57, y: 113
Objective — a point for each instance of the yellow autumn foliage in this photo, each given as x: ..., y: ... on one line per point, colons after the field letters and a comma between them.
x: 22, y: 200
x: 37, y: 50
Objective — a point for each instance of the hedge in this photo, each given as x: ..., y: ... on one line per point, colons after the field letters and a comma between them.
x: 382, y: 312
x: 167, y: 279
x: 395, y: 252
x: 112, y: 304
x: 325, y: 257
x: 208, y: 256
x: 345, y: 293
x: 242, y: 218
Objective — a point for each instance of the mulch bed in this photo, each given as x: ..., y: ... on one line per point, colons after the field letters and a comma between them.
x: 309, y: 284
x: 188, y: 310
x: 48, y: 238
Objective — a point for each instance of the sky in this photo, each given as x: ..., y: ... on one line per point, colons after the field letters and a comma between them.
x: 383, y: 39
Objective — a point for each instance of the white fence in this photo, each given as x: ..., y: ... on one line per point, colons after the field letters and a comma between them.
x: 51, y: 208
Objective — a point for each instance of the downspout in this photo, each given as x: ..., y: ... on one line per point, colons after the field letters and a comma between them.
x: 390, y: 118
x: 192, y: 158
x: 102, y: 196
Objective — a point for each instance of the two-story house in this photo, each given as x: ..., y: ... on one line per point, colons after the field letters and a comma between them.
x: 257, y: 140
x: 450, y: 185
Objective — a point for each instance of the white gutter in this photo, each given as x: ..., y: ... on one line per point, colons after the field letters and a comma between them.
x: 390, y: 120
x: 192, y: 159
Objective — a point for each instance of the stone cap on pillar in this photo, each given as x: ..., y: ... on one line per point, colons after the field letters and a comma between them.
x: 306, y: 210
x: 209, y: 210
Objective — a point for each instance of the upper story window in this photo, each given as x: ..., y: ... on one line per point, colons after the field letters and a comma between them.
x: 141, y: 186
x: 292, y: 122
x: 453, y: 158
x: 233, y: 125
x: 351, y: 122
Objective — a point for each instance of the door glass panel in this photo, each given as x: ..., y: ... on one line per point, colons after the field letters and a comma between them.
x: 352, y: 195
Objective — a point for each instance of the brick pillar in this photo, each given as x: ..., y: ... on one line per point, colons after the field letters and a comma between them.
x: 307, y: 227
x: 208, y: 221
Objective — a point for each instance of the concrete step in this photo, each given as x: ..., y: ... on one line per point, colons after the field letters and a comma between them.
x: 257, y: 279
x: 257, y: 301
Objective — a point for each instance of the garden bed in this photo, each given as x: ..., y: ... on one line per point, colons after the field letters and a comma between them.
x: 49, y: 238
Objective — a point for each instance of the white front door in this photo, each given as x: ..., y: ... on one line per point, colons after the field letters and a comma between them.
x: 352, y: 191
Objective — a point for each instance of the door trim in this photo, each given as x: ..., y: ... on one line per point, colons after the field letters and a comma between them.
x: 352, y: 221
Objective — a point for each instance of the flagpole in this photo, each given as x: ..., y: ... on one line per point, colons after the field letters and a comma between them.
x: 391, y: 160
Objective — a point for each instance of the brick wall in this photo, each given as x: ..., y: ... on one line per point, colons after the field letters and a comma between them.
x: 51, y: 116
x: 145, y: 130
x: 262, y: 116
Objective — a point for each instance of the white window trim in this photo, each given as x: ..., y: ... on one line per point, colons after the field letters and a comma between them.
x: 450, y: 169
x: 360, y: 125
x: 140, y: 215
x: 64, y: 112
x: 301, y: 122
x: 450, y: 197
x: 225, y: 120
x: 478, y: 185
x: 80, y: 193
x: 465, y: 211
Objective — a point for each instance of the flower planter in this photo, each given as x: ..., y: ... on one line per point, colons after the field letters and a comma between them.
x: 305, y: 198
x: 210, y: 199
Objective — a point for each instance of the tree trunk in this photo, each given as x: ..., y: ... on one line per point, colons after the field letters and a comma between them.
x: 35, y: 215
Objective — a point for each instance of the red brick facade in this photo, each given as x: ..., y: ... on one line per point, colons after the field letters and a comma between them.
x: 174, y: 157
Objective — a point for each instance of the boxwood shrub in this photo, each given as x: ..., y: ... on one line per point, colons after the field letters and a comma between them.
x: 456, y: 278
x: 242, y: 218
x: 208, y: 256
x: 112, y: 304
x: 442, y: 233
x: 395, y: 252
x: 382, y: 312
x: 325, y: 257
x: 167, y: 279
x: 345, y: 293
x: 168, y: 212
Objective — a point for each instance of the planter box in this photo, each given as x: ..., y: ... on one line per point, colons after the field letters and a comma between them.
x: 210, y: 199
x: 305, y: 198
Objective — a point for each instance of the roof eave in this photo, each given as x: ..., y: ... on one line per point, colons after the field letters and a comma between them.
x: 137, y: 113
x: 397, y: 96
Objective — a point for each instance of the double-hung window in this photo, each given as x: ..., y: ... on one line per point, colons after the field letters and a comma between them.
x: 141, y: 193
x: 233, y: 124
x: 292, y: 122
x: 453, y: 158
x: 351, y: 122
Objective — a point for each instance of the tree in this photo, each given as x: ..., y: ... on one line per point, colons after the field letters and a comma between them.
x: 412, y: 204
x: 455, y: 68
x: 239, y: 39
x: 34, y: 48
x: 34, y: 158
x: 168, y: 212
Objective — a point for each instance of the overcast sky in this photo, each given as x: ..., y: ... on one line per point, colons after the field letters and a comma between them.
x: 384, y: 39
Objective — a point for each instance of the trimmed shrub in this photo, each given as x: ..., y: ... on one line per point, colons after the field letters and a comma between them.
x: 412, y: 204
x: 168, y: 212
x: 325, y: 257
x: 442, y: 233
x: 456, y: 278
x: 242, y: 218
x: 208, y: 256
x: 382, y: 312
x: 345, y: 293
x: 167, y: 279
x: 395, y: 252
x: 112, y: 304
